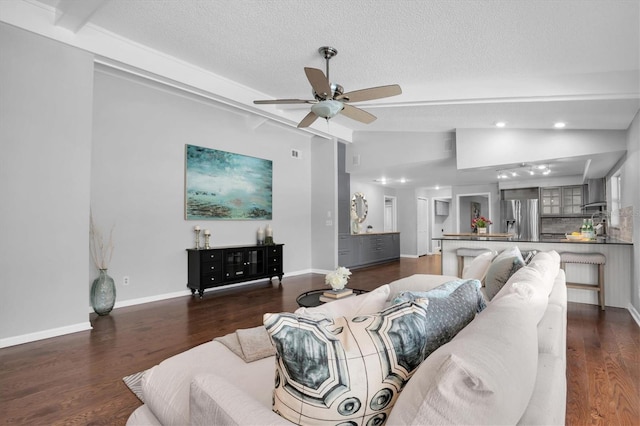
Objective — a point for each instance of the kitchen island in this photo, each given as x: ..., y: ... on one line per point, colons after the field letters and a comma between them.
x: 617, y: 270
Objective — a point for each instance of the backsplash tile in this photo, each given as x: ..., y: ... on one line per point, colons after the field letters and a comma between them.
x: 560, y: 225
x: 625, y: 230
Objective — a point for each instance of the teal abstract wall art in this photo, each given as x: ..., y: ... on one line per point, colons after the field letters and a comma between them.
x: 221, y: 185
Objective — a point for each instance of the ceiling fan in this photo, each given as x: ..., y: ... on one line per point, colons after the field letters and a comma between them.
x: 330, y: 98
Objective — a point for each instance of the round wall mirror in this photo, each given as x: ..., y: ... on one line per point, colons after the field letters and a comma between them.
x: 359, y: 207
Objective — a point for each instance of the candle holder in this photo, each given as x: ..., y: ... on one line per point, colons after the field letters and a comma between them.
x: 207, y: 238
x: 197, y: 231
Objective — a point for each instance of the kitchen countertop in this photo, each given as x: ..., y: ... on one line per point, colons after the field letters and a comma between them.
x: 501, y: 237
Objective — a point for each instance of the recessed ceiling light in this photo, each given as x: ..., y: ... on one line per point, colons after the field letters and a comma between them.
x: 403, y: 180
x: 500, y: 123
x: 559, y: 125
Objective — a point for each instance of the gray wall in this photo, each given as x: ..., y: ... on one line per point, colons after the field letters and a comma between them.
x: 375, y: 200
x: 137, y: 181
x: 45, y: 153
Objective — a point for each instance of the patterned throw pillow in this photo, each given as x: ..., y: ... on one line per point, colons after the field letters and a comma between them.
x: 444, y: 290
x: 452, y: 306
x: 345, y: 371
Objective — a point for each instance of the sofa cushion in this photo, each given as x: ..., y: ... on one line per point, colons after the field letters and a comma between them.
x: 527, y: 282
x: 479, y: 266
x: 548, y: 403
x: 345, y: 370
x: 166, y: 386
x: 367, y: 303
x: 485, y: 375
x: 217, y: 401
x: 502, y: 267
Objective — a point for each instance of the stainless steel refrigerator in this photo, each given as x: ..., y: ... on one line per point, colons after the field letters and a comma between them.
x: 521, y: 218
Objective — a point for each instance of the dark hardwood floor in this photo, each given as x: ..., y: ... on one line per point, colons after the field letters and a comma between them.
x: 77, y: 379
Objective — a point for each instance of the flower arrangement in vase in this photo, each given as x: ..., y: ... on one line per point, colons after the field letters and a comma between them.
x: 103, y: 288
x: 338, y: 279
x: 481, y: 223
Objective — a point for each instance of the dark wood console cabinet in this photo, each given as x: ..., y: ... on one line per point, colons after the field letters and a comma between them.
x: 221, y: 266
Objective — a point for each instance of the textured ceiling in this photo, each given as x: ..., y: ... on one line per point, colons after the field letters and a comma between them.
x: 461, y: 64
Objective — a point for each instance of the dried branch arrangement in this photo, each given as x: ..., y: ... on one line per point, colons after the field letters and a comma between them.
x: 101, y: 251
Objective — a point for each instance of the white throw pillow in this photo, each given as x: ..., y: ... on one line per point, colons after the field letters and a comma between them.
x: 367, y: 303
x: 485, y: 375
x: 478, y: 267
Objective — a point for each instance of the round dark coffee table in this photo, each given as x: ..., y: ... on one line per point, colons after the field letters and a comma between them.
x: 311, y: 299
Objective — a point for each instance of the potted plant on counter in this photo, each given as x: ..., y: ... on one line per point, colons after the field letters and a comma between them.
x: 480, y: 224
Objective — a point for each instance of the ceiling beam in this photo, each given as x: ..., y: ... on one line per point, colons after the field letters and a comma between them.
x: 73, y: 14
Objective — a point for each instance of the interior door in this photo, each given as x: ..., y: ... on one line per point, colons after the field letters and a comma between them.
x: 423, y: 226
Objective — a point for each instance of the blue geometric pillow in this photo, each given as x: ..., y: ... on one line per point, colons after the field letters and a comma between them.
x: 345, y: 370
x: 443, y: 290
x: 448, y: 314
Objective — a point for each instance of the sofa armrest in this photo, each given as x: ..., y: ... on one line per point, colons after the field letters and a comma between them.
x: 216, y: 401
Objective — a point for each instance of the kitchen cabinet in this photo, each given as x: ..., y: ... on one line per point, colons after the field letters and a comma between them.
x: 550, y: 198
x: 562, y: 200
x: 207, y: 268
x: 572, y: 199
x: 368, y: 249
x: 441, y: 208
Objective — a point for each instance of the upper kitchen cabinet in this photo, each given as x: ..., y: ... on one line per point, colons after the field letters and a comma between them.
x: 572, y: 200
x: 562, y: 200
x: 441, y: 208
x: 550, y: 198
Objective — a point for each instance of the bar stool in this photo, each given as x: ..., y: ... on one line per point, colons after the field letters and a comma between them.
x: 467, y: 252
x: 598, y: 259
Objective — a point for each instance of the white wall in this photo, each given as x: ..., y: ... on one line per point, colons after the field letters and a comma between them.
x: 324, y: 204
x: 631, y: 197
x: 408, y: 221
x: 137, y: 180
x: 489, y: 147
x: 45, y: 152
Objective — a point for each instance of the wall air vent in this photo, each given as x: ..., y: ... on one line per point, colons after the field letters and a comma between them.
x: 356, y: 160
x: 296, y: 154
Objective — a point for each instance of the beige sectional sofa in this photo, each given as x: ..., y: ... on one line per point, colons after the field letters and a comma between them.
x: 505, y: 367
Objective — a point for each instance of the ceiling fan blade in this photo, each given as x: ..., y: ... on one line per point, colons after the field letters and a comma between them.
x: 319, y: 82
x: 307, y: 120
x: 285, y: 101
x: 358, y: 114
x: 371, y: 93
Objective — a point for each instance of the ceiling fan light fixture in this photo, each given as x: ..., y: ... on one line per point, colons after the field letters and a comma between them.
x: 327, y: 109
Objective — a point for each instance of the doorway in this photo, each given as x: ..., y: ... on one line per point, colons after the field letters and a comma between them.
x: 472, y: 205
x: 390, y: 214
x: 423, y: 226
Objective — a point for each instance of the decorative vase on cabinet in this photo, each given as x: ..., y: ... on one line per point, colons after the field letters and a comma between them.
x: 103, y: 293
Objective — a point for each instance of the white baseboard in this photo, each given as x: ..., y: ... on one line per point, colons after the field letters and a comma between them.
x: 634, y: 313
x: 44, y: 334
x: 149, y: 299
x: 410, y: 256
x: 165, y: 296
